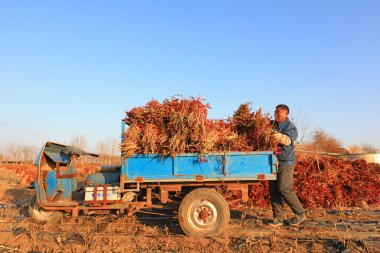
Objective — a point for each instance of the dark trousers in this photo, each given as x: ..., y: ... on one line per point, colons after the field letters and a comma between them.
x: 282, y: 188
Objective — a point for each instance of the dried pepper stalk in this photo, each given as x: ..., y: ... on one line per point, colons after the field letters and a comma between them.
x: 180, y: 125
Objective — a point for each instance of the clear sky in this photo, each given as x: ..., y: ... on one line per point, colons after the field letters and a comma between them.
x: 69, y: 67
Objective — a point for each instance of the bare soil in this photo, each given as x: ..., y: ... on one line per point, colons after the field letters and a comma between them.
x: 341, y: 230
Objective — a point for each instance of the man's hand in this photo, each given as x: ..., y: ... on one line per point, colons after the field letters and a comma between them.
x: 281, y: 138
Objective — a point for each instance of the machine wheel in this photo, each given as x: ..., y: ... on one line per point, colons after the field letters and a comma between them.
x: 203, y: 213
x: 42, y: 216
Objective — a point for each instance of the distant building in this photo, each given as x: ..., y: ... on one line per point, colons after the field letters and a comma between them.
x: 355, y: 150
x: 369, y: 158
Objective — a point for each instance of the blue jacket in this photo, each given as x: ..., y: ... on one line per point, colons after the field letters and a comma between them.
x: 286, y: 156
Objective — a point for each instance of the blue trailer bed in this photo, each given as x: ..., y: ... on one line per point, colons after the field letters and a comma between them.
x: 229, y: 166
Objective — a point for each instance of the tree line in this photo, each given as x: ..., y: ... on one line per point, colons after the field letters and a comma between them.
x: 109, y: 151
x: 325, y: 143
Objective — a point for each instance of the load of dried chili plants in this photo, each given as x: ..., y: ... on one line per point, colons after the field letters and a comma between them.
x: 169, y: 128
x: 180, y: 125
x: 253, y: 128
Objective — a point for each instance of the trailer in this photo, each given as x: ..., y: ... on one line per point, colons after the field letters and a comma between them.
x: 188, y: 182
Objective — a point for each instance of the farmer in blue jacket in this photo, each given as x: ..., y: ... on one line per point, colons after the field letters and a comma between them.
x: 285, y: 132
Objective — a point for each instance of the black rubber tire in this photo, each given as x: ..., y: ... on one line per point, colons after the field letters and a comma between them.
x: 41, y: 216
x: 203, y: 200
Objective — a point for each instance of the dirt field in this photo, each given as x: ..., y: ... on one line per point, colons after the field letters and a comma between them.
x: 354, y: 230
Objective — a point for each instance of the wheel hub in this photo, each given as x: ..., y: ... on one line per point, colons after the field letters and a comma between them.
x: 204, y: 214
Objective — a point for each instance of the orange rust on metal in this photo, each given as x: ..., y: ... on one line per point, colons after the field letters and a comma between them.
x: 103, y: 211
x: 234, y: 187
x: 49, y: 198
x: 139, y: 179
x: 195, y: 184
x: 104, y: 194
x: 240, y: 187
x: 112, y: 205
x: 171, y: 188
x: 58, y: 196
x: 58, y: 174
x: 55, y: 208
x: 149, y: 196
x: 204, y: 214
x: 100, y: 203
x: 59, y: 164
x: 75, y: 212
x: 45, y: 173
x: 261, y: 176
x: 164, y: 196
x: 123, y: 178
x: 258, y: 183
x: 244, y: 194
x: 199, y: 177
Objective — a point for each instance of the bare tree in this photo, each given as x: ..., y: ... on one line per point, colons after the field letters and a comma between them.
x: 79, y: 141
x: 29, y: 153
x: 323, y: 142
x: 12, y: 149
x: 302, y: 123
x: 368, y: 148
x: 108, y: 150
x: 102, y: 150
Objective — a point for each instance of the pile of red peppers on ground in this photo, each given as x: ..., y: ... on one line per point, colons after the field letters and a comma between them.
x: 329, y: 182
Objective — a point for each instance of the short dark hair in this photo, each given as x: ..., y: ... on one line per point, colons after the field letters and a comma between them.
x: 283, y: 107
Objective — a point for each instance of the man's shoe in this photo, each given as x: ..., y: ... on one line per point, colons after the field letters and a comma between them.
x: 297, y: 219
x: 276, y: 223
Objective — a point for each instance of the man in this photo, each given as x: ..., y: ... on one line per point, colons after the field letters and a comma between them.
x: 285, y: 132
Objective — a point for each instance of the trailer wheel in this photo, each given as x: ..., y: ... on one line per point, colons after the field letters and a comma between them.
x: 203, y: 213
x: 42, y: 216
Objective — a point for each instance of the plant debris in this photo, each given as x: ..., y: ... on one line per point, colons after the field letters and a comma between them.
x: 329, y: 182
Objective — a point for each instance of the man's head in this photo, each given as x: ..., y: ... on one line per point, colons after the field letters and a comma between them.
x: 281, y: 113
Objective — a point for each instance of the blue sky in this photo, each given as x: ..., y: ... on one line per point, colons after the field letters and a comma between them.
x: 69, y: 67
